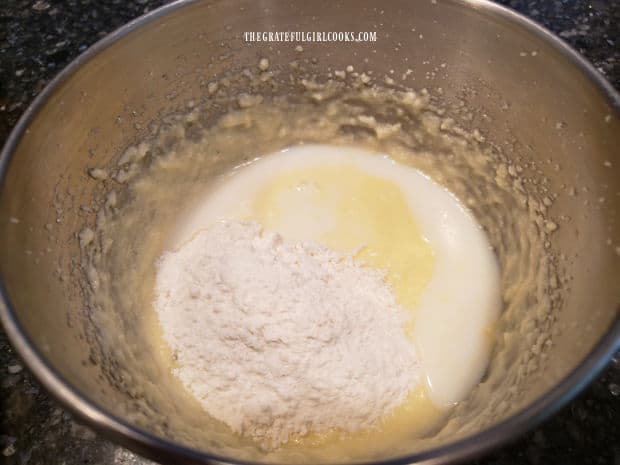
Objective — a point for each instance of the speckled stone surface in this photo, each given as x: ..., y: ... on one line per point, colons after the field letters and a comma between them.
x: 39, y: 37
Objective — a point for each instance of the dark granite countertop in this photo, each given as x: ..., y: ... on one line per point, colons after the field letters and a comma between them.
x: 39, y: 37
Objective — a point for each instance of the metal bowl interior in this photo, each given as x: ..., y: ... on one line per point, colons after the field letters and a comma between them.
x: 560, y: 108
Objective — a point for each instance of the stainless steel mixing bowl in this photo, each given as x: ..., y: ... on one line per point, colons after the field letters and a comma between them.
x: 558, y: 107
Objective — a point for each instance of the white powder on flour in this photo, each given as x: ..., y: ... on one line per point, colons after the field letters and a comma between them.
x: 278, y: 339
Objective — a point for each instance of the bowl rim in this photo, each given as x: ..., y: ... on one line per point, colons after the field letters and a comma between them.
x: 164, y: 450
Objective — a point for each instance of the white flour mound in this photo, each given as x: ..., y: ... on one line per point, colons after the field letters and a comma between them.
x: 278, y: 339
